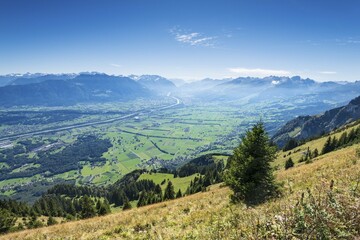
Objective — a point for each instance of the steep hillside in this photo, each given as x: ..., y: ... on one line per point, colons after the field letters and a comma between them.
x: 305, y: 127
x: 317, y: 198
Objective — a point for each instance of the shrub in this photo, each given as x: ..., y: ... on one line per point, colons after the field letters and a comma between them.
x: 289, y: 163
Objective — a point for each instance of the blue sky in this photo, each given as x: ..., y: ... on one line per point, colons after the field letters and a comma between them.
x: 183, y: 39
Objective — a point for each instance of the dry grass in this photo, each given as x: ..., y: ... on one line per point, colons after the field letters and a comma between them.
x: 161, y: 218
x: 209, y: 215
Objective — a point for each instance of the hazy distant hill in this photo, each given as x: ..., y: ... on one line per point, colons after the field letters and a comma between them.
x: 203, y: 85
x: 155, y: 83
x: 10, y: 78
x: 178, y: 82
x: 23, y: 80
x: 5, y: 80
x: 305, y: 127
x: 272, y: 88
x: 285, y: 86
x: 97, y: 87
x: 82, y: 88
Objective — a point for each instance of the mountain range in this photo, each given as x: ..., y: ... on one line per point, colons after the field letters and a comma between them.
x: 67, y: 89
x: 155, y: 83
x: 63, y: 90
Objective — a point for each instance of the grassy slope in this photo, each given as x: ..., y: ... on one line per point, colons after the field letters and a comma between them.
x: 209, y: 215
x: 179, y: 183
x: 298, y: 152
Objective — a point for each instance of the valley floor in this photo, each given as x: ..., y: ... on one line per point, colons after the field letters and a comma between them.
x: 209, y: 215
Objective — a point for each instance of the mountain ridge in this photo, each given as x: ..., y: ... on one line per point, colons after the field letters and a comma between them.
x: 304, y: 127
x: 82, y: 88
x: 100, y: 87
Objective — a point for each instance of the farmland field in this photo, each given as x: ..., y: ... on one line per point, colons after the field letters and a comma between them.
x: 150, y: 137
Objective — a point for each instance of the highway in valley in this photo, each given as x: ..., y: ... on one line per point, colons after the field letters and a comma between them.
x: 89, y: 124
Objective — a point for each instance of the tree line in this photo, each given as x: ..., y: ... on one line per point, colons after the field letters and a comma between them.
x: 71, y: 202
x: 332, y: 143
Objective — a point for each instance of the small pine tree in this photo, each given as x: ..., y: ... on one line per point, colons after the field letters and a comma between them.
x: 289, y: 163
x: 127, y: 204
x: 250, y: 175
x: 169, y: 191
x: 117, y: 197
x: 87, y: 207
x: 315, y: 153
x: 327, y: 146
x: 291, y: 144
x: 34, y: 222
x: 308, y: 153
x: 7, y: 220
x: 158, y: 190
x: 51, y: 221
x: 179, y: 194
x: 142, y: 199
x: 334, y: 143
x: 98, y: 205
x: 343, y: 139
x: 104, y: 207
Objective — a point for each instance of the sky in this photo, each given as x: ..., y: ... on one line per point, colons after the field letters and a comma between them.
x: 185, y: 39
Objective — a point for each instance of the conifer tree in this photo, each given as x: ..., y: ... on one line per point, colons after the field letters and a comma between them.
x: 250, y: 175
x: 315, y: 153
x: 127, y: 204
x: 103, y: 207
x: 327, y: 146
x: 308, y: 153
x: 343, y: 139
x: 334, y: 143
x: 291, y: 144
x: 351, y: 136
x: 289, y: 163
x: 142, y: 199
x: 158, y: 190
x: 7, y: 220
x: 51, y: 221
x: 179, y: 194
x: 87, y: 207
x: 117, y: 197
x: 169, y: 191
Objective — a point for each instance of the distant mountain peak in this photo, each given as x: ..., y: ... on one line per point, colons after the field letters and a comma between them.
x: 51, y: 90
x: 155, y: 83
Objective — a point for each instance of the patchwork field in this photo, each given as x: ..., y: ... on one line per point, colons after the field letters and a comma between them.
x: 150, y: 139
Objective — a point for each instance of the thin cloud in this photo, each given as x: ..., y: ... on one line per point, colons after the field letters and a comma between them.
x: 348, y: 41
x: 352, y: 41
x: 193, y: 38
x: 259, y: 72
x: 115, y: 65
x: 328, y: 72
x: 337, y: 41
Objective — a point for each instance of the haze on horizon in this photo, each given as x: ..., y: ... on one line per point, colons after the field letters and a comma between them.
x: 183, y: 39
